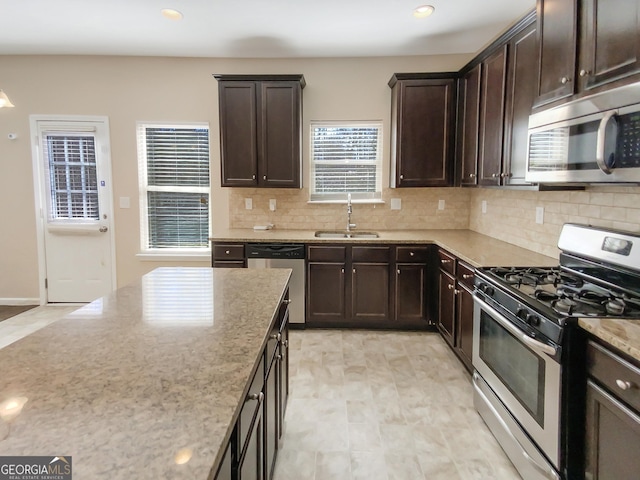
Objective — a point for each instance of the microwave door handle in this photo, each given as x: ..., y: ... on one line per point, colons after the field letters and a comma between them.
x: 515, y: 331
x: 601, y: 141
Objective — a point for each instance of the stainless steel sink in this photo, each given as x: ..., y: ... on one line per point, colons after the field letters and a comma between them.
x: 344, y: 234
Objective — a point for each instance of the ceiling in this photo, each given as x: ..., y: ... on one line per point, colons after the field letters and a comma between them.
x: 253, y: 28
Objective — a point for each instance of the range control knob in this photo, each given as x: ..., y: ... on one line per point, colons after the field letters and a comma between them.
x: 533, y: 320
x: 522, y: 314
x: 486, y: 289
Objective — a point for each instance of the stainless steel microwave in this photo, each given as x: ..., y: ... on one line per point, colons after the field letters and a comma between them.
x: 594, y: 139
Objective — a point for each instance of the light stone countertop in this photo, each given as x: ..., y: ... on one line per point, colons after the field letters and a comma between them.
x: 474, y: 248
x: 128, y: 383
x: 623, y: 334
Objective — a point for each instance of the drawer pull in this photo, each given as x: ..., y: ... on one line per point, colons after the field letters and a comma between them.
x: 450, y: 287
x: 411, y: 254
x: 623, y: 384
x: 467, y: 276
x: 287, y: 301
x: 445, y: 261
x: 227, y: 252
x: 276, y: 336
x: 256, y: 396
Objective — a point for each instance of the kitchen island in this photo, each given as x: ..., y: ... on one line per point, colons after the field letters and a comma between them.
x: 146, y: 383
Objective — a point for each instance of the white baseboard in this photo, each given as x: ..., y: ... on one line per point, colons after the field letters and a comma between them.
x: 19, y: 301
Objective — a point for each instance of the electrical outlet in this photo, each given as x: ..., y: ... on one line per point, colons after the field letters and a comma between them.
x: 440, y: 204
x: 248, y: 203
x: 484, y: 206
x: 272, y: 204
x: 540, y: 215
x: 396, y: 203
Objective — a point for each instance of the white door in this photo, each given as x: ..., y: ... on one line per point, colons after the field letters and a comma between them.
x: 74, y: 207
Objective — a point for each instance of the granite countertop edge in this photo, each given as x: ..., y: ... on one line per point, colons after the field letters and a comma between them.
x: 474, y: 248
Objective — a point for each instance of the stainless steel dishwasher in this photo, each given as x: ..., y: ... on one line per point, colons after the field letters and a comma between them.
x: 283, y: 255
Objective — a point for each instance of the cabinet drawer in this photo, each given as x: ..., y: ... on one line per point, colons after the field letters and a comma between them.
x: 615, y: 373
x: 412, y: 254
x: 228, y: 251
x: 465, y: 274
x: 370, y: 254
x: 252, y: 404
x: 326, y: 254
x: 447, y: 261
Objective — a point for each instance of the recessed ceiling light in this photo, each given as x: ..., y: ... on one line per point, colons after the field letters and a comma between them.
x: 423, y: 11
x: 171, y: 14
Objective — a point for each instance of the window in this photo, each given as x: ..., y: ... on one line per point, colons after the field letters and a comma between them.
x: 71, y: 172
x: 174, y: 186
x: 346, y: 158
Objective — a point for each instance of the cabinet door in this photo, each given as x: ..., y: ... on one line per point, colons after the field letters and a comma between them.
x: 225, y: 471
x: 468, y: 137
x: 464, y: 305
x: 410, y: 295
x: 251, y: 465
x: 612, y: 437
x: 370, y: 292
x: 446, y: 309
x: 271, y: 409
x: 521, y: 81
x: 325, y: 293
x: 609, y: 41
x: 556, y: 32
x: 279, y: 133
x: 283, y: 375
x: 424, y: 128
x: 492, y: 117
x: 238, y: 136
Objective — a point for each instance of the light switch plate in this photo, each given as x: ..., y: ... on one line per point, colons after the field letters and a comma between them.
x: 396, y: 203
x: 540, y: 215
x: 272, y: 204
x: 248, y: 203
x: 440, y: 204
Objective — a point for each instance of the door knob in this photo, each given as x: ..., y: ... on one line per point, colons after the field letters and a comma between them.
x: 103, y: 229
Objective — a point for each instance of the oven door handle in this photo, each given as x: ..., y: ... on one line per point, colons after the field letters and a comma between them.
x: 515, y: 331
x: 546, y: 472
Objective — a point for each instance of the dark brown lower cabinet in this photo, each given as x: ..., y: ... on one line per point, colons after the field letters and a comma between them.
x: 612, y: 427
x: 447, y: 307
x: 370, y: 292
x: 410, y: 293
x: 225, y: 471
x: 326, y: 293
x: 455, y: 306
x: 251, y: 464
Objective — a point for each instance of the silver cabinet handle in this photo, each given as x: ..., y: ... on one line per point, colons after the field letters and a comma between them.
x: 285, y: 344
x: 495, y: 175
x: 623, y: 384
x: 276, y: 336
x: 287, y: 301
x: 584, y: 73
x: 342, y: 270
x: 264, y: 177
x: 565, y: 80
x: 445, y: 261
x: 256, y: 396
x: 472, y: 175
x: 401, y: 177
x: 398, y: 271
x: 253, y: 177
x: 450, y: 286
x: 466, y: 276
x: 354, y: 270
x: 227, y: 252
x: 103, y: 229
x: 411, y: 254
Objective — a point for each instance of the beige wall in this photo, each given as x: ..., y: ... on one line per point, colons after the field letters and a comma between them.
x: 130, y: 89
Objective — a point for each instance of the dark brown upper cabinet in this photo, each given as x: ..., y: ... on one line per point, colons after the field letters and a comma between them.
x: 492, y: 100
x: 468, y: 126
x: 586, y: 46
x: 522, y: 71
x: 556, y: 31
x: 260, y: 130
x: 422, y: 129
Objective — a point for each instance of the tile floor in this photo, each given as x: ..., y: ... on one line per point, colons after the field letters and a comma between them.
x: 383, y: 405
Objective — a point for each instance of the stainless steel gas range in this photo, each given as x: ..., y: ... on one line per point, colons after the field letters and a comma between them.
x: 527, y: 353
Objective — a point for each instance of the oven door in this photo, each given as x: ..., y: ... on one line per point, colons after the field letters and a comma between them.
x: 522, y: 374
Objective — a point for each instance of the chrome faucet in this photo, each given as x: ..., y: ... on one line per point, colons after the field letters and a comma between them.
x: 349, y: 212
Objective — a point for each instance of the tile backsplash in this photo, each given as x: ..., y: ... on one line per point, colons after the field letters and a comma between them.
x: 510, y: 214
x: 419, y: 210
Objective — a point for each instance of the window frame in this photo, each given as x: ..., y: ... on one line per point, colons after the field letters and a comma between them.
x: 341, y: 197
x: 176, y: 252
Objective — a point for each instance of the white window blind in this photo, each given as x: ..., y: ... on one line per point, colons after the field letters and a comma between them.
x: 174, y: 186
x: 70, y: 165
x: 346, y: 158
